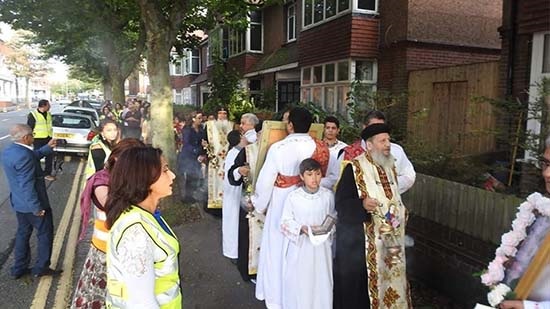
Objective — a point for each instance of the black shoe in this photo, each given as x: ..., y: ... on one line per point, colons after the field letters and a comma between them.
x: 19, y: 275
x: 49, y: 272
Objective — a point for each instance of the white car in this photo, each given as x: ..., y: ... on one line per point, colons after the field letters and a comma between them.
x: 91, y: 112
x: 74, y: 132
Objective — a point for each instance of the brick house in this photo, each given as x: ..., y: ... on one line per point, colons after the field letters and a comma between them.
x: 525, y: 59
x: 311, y: 50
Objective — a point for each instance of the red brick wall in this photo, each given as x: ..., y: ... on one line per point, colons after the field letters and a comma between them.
x: 427, y: 57
x: 274, y: 34
x: 180, y: 82
x: 534, y: 16
x: 244, y: 62
x: 334, y: 40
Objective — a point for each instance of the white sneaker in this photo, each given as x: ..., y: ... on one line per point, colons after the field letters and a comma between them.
x: 253, y: 280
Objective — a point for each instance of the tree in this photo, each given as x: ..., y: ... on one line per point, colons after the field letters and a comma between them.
x: 104, y: 38
x: 25, y: 62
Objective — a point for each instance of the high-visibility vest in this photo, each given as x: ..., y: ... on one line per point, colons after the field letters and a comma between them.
x: 101, y: 233
x: 167, y: 283
x: 42, y: 126
x: 90, y: 166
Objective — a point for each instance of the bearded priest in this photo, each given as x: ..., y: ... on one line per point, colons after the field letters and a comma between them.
x: 369, y: 265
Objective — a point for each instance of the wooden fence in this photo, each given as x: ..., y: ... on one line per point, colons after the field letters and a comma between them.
x: 443, y: 109
x: 479, y: 213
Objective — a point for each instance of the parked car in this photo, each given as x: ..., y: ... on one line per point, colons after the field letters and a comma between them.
x: 74, y: 132
x: 91, y: 112
x: 63, y: 101
x: 87, y: 103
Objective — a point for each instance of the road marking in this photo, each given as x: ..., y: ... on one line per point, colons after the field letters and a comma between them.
x: 5, y: 119
x: 43, y: 289
x: 64, y: 285
x: 4, y: 137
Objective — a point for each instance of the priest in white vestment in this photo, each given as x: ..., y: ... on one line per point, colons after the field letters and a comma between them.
x: 406, y: 175
x: 307, y: 257
x: 231, y: 199
x: 277, y: 178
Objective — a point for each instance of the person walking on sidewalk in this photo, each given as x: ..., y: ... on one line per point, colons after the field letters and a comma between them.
x: 40, y: 121
x: 142, y: 251
x: 90, y: 288
x: 29, y: 200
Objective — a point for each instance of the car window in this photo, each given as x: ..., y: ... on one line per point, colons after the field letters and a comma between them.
x: 81, y: 112
x: 64, y: 121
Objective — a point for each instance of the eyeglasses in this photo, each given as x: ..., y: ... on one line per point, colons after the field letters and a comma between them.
x: 543, y: 163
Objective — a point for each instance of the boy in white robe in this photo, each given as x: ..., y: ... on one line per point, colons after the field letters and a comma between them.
x: 307, y: 259
x: 231, y: 200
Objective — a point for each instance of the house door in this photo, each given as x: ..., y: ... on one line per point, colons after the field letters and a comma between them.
x: 287, y: 93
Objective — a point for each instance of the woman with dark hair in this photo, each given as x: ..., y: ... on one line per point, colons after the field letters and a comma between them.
x: 142, y: 254
x: 90, y: 290
x: 100, y: 149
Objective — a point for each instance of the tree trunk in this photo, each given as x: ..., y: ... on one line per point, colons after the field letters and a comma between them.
x: 16, y: 90
x: 117, y: 82
x: 27, y: 92
x: 107, y: 89
x: 161, y: 97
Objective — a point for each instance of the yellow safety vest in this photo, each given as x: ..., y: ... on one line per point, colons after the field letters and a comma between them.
x: 90, y: 166
x: 167, y: 283
x: 42, y: 126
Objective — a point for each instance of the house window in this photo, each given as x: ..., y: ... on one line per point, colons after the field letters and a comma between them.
x: 364, y: 70
x: 236, y: 42
x: 193, y: 62
x: 177, y: 67
x: 308, y: 12
x: 343, y: 71
x: 328, y: 85
x: 256, y: 32
x: 546, y: 54
x: 255, y: 87
x: 330, y: 8
x: 368, y: 5
x: 343, y: 5
x: 178, y: 98
x: 291, y: 22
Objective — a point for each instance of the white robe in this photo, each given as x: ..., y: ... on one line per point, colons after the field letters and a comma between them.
x: 307, y: 268
x: 230, y: 210
x: 283, y: 157
x: 406, y: 175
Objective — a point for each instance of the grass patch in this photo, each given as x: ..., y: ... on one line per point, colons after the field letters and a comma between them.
x: 175, y: 212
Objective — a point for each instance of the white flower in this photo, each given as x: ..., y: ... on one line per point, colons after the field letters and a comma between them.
x: 543, y: 206
x: 526, y: 206
x: 496, y: 296
x: 519, y: 224
x: 496, y: 271
x: 526, y: 216
x: 534, y: 198
x: 507, y: 251
x: 513, y: 238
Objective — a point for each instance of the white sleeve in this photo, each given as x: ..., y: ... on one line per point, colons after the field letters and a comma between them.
x: 289, y: 226
x: 136, y: 251
x: 236, y: 174
x: 333, y: 172
x: 536, y: 305
x: 265, y: 182
x: 406, y: 174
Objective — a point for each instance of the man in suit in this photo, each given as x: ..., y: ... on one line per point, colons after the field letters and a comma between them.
x: 29, y: 200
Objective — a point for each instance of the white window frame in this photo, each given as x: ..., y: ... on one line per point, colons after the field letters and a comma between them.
x: 231, y: 43
x: 356, y: 8
x: 288, y: 22
x: 248, y: 38
x: 189, y: 62
x: 536, y: 76
x: 335, y: 83
x: 352, y: 7
x: 177, y: 93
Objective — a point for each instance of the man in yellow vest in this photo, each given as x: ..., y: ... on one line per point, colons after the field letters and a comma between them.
x: 40, y: 120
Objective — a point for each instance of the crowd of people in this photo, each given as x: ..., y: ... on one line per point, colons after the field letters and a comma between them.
x: 312, y: 221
